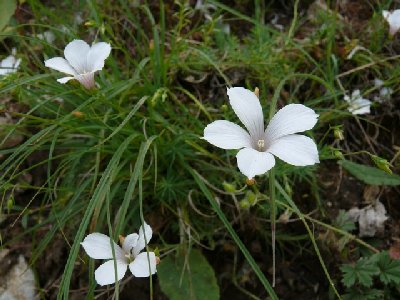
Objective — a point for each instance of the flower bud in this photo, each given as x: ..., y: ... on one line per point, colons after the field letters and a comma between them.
x: 228, y: 187
x: 257, y: 92
x: 338, y: 154
x: 338, y: 133
x: 382, y: 163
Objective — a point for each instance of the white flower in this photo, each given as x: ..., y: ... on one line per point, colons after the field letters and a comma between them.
x: 258, y: 146
x: 81, y: 61
x: 10, y: 64
x: 47, y: 36
x: 357, y: 104
x: 393, y: 18
x: 98, y: 246
x: 205, y: 8
x: 385, y: 93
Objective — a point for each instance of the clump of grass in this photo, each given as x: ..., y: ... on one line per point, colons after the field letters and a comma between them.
x: 131, y: 149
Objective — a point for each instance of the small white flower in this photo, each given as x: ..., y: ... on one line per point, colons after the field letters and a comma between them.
x: 205, y: 8
x: 81, y: 61
x: 258, y: 146
x: 393, y: 18
x: 10, y: 64
x: 98, y: 246
x: 385, y: 93
x: 47, y: 36
x: 357, y: 104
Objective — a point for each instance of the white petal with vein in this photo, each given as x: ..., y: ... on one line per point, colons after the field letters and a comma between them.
x: 105, y: 273
x: 60, y: 64
x: 226, y: 135
x: 141, y: 243
x: 290, y: 119
x: 248, y: 108
x: 252, y: 162
x: 64, y: 80
x: 295, y: 149
x: 98, y: 246
x: 140, y: 266
x: 130, y: 242
x: 97, y: 55
x: 75, y: 53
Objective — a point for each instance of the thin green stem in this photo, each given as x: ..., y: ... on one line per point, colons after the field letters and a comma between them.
x: 116, y: 290
x: 311, y: 234
x: 272, y: 196
x: 144, y: 233
x: 273, y: 221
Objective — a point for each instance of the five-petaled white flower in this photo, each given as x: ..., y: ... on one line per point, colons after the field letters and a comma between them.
x: 258, y: 146
x: 98, y: 246
x: 357, y: 104
x: 81, y: 61
x: 393, y: 18
x: 10, y: 64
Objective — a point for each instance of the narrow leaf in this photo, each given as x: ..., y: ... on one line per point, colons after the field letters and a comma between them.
x: 370, y: 175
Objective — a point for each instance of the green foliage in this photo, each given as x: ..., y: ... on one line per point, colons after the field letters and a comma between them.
x: 389, y: 269
x: 7, y: 9
x: 367, y: 294
x: 137, y: 136
x: 361, y: 272
x: 370, y: 175
x: 188, y: 277
x: 359, y: 277
x: 343, y: 221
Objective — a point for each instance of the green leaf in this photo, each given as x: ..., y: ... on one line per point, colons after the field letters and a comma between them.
x: 7, y: 9
x: 368, y: 294
x: 370, y: 175
x: 343, y: 221
x: 188, y: 278
x: 361, y: 272
x: 389, y: 269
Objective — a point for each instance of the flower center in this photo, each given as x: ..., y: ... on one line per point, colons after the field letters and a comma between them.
x: 261, y: 145
x: 129, y: 257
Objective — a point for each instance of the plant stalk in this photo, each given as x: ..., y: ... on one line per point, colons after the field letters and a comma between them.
x: 273, y: 221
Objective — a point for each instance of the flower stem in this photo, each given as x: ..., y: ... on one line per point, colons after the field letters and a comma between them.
x: 272, y: 110
x: 273, y: 220
x: 144, y: 233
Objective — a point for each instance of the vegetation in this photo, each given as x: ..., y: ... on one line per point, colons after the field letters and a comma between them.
x: 76, y: 161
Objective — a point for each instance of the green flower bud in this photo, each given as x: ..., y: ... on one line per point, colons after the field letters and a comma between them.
x: 382, y: 163
x: 229, y: 187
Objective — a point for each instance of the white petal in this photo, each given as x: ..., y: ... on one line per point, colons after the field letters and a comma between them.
x: 9, y: 65
x: 226, y: 135
x: 98, y: 246
x: 130, y: 241
x: 141, y: 243
x: 76, y: 53
x: 385, y: 14
x: 60, y: 64
x: 252, y: 162
x: 140, y: 266
x: 96, y: 56
x: 360, y: 106
x: 65, y: 79
x: 290, y: 119
x: 248, y: 108
x: 87, y: 80
x: 105, y: 273
x: 8, y: 62
x: 393, y: 18
x: 295, y: 149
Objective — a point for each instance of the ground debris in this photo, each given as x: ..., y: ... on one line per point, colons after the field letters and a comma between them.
x: 371, y: 219
x: 19, y: 282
